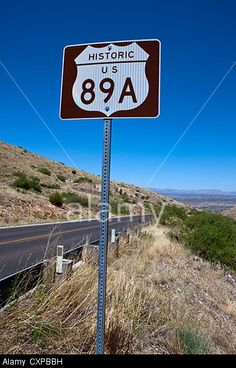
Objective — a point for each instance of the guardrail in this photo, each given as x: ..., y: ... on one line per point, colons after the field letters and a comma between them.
x: 13, y: 286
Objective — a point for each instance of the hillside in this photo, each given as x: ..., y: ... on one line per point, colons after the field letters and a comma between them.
x: 161, y: 299
x: 26, y: 200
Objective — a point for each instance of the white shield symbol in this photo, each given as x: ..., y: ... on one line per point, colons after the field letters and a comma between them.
x: 111, y: 78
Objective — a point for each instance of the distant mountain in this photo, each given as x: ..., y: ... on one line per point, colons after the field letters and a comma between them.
x: 182, y: 192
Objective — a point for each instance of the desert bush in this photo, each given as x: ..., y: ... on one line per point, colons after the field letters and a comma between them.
x: 72, y: 197
x: 44, y: 170
x: 173, y: 215
x: 212, y: 236
x: 61, y: 178
x: 42, y: 332
x: 119, y: 208
x: 26, y: 183
x: 153, y: 208
x: 83, y: 179
x: 125, y: 197
x: 191, y: 341
x: 19, y: 174
x: 145, y: 235
x: 56, y: 199
x: 124, y: 210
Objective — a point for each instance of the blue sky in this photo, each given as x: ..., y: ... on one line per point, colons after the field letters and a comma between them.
x: 198, y: 48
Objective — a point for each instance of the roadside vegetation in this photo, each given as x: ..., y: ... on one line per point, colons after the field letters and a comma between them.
x: 210, y: 235
x: 173, y: 215
x: 161, y: 299
x: 44, y: 170
x: 56, y: 199
x: 26, y: 183
x: 61, y: 178
x: 119, y: 207
x: 50, y: 186
x: 72, y: 197
x: 83, y: 179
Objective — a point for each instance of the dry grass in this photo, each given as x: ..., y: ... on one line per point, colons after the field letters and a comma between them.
x: 160, y: 299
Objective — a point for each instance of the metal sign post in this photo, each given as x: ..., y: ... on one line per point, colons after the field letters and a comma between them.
x: 104, y: 218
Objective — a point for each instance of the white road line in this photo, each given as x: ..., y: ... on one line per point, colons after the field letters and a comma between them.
x: 62, y: 222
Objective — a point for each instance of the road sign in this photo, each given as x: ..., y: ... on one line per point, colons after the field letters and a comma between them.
x: 111, y: 80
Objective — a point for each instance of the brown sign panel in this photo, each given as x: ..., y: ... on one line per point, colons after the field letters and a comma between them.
x: 111, y: 80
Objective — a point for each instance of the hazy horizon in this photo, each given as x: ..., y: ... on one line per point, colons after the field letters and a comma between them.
x: 194, y: 190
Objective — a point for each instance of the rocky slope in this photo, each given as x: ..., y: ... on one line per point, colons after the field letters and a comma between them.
x: 22, y: 205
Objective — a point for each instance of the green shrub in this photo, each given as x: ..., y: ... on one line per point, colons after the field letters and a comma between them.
x: 35, y: 183
x: 114, y: 206
x: 124, y: 210
x: 144, y: 235
x: 212, y: 236
x: 192, y: 342
x: 42, y: 332
x: 44, y: 170
x: 173, y: 215
x: 125, y: 197
x: 61, y: 178
x: 26, y: 183
x: 50, y: 186
x: 83, y: 179
x: 19, y: 174
x: 72, y: 197
x: 83, y: 200
x: 119, y: 208
x: 56, y: 199
x: 153, y: 208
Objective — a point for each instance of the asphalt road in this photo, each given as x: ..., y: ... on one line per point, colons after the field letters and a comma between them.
x: 24, y: 246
